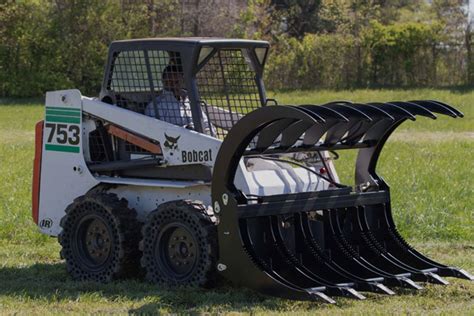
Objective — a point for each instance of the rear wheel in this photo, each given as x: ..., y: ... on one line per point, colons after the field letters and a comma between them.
x: 180, y: 245
x: 100, y: 238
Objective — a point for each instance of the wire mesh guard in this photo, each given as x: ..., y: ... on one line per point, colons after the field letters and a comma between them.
x: 227, y: 85
x: 150, y: 82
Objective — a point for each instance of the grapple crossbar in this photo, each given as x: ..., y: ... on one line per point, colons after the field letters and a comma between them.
x: 313, y: 245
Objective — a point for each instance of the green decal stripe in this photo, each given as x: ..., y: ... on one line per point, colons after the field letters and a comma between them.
x: 63, y: 109
x: 62, y: 119
x: 63, y: 113
x: 68, y: 149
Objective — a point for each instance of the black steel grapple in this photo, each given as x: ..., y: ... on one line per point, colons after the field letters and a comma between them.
x: 314, y: 245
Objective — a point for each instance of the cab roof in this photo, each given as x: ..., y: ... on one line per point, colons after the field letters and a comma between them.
x: 189, y: 41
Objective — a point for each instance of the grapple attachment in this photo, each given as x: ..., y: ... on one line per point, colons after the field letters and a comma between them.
x: 316, y: 244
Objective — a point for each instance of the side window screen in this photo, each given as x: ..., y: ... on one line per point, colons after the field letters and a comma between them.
x: 130, y: 72
x: 227, y: 84
x: 136, y: 76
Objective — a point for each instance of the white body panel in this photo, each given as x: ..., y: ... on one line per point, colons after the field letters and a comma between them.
x: 65, y: 176
x: 145, y: 199
x: 190, y: 144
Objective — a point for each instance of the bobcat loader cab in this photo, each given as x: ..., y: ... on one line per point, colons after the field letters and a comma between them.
x: 242, y: 189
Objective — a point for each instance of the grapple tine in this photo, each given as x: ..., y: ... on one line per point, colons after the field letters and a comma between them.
x: 332, y: 288
x: 357, y: 119
x: 258, y: 275
x: 313, y: 257
x: 458, y: 273
x: 372, y: 111
x: 394, y: 110
x: 438, y: 107
x: 271, y: 252
x: 314, y: 133
x: 348, y: 110
x: 458, y: 113
x: 332, y: 117
x: 358, y: 131
x: 414, y: 108
x: 332, y: 219
x: 375, y: 249
x: 327, y: 112
x: 337, y: 132
x: 382, y: 226
x: 270, y: 133
x: 293, y: 133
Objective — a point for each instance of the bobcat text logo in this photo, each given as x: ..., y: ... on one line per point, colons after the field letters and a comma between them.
x: 171, y: 142
x: 46, y: 223
x: 196, y: 155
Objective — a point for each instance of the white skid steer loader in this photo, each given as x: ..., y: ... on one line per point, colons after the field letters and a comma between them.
x: 183, y: 168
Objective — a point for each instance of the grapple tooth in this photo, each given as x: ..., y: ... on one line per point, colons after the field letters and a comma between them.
x: 351, y: 293
x: 380, y: 288
x: 458, y: 273
x: 436, y: 279
x: 410, y: 284
x: 321, y: 296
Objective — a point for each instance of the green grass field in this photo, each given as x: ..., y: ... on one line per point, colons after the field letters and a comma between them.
x: 429, y: 165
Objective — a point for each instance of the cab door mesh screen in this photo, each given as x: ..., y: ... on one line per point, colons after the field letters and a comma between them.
x: 136, y: 77
x: 228, y: 82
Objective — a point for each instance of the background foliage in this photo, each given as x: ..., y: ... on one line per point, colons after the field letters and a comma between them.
x: 48, y: 45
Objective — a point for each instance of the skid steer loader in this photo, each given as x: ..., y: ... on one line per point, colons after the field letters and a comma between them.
x: 183, y: 167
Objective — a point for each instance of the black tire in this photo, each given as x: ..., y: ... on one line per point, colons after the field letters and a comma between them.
x: 179, y: 245
x: 100, y: 238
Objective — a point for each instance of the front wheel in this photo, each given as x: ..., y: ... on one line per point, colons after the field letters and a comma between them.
x: 180, y: 245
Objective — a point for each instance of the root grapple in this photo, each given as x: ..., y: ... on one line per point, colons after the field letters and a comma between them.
x: 317, y: 244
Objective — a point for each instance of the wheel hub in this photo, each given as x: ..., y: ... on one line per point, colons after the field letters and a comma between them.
x: 177, y: 251
x: 94, y: 240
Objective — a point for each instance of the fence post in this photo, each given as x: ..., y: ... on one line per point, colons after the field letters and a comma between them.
x: 434, y: 81
x: 470, y: 62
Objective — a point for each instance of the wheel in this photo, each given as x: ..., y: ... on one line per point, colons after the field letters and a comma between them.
x: 180, y: 245
x: 100, y: 238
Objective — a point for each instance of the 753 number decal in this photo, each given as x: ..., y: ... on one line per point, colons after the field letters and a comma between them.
x: 63, y: 134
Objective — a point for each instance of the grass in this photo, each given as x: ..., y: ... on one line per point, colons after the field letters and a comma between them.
x: 429, y: 165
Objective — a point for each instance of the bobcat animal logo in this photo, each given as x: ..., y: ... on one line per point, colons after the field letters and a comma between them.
x: 171, y: 142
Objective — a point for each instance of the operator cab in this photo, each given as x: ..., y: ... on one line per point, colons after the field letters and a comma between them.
x: 221, y: 79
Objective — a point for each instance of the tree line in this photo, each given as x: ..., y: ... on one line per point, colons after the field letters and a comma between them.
x: 48, y: 45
